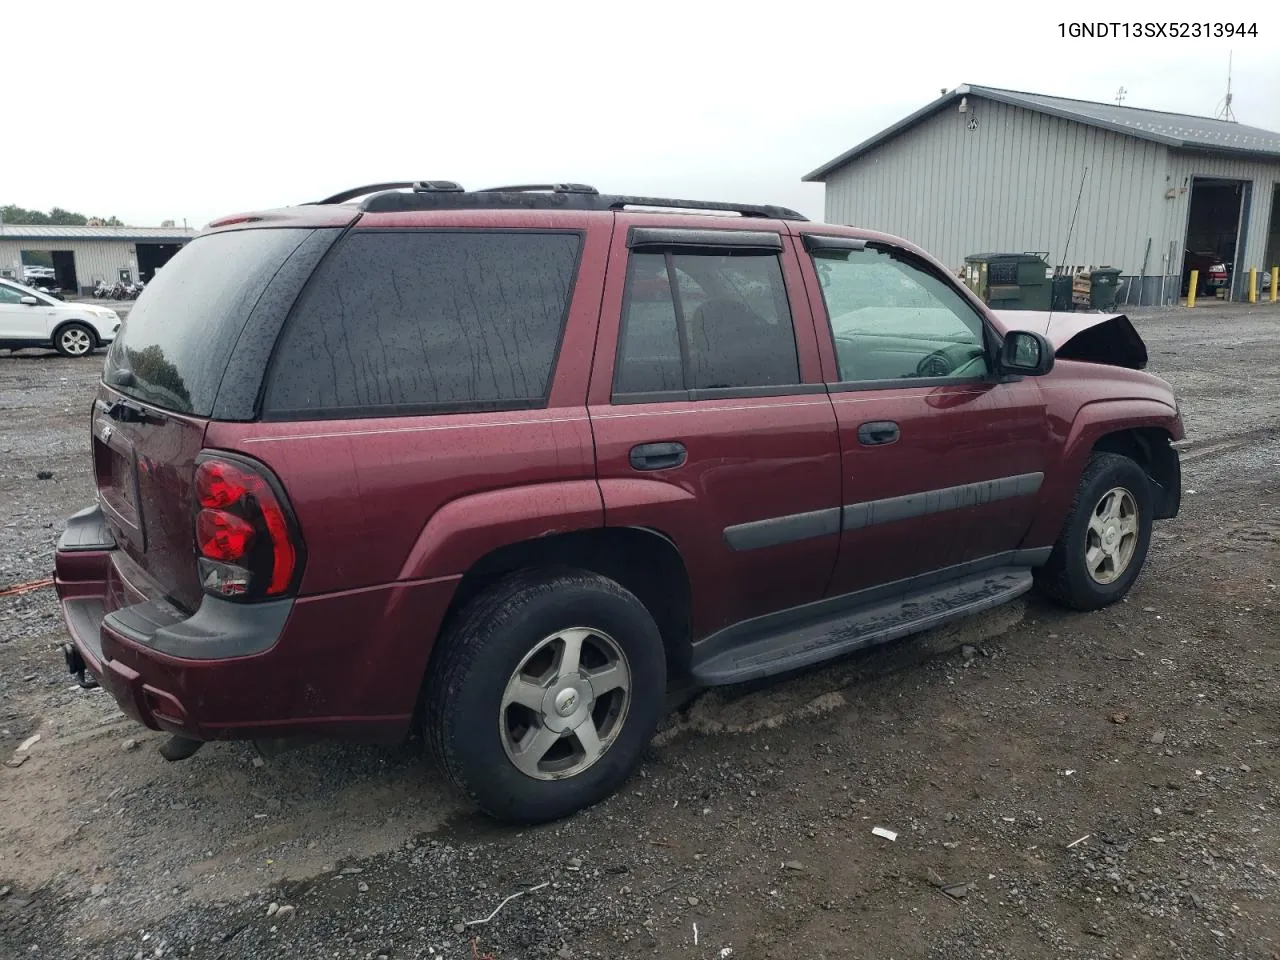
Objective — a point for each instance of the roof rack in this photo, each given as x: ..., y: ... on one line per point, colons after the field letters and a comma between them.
x: 419, y: 186
x: 545, y: 188
x: 447, y: 195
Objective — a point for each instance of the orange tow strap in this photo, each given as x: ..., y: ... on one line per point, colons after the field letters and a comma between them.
x: 18, y: 588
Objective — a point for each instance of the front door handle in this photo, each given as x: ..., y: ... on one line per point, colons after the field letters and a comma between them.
x: 658, y: 456
x: 878, y: 432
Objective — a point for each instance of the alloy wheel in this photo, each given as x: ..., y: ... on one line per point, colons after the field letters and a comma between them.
x: 565, y: 704
x: 1112, y: 537
x: 75, y: 342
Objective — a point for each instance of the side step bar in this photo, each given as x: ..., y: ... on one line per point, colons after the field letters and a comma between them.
x: 829, y: 628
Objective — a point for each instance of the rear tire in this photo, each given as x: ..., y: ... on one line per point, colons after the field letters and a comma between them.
x: 74, y: 340
x: 1104, y: 541
x: 544, y: 693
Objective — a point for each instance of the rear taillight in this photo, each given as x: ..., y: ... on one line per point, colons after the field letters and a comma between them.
x: 249, y: 545
x: 223, y: 536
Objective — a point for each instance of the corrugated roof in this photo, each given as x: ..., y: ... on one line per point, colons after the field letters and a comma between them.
x: 1172, y: 129
x: 33, y: 231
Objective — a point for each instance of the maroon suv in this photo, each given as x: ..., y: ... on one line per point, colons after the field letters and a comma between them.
x: 508, y: 463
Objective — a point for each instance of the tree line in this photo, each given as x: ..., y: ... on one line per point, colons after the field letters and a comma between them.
x: 12, y: 213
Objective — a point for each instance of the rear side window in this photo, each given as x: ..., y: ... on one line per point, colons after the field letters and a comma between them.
x: 705, y: 322
x: 426, y: 321
x: 173, y: 348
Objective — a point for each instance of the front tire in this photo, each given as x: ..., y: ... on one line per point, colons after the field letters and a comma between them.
x: 74, y: 340
x: 544, y: 694
x: 1104, y: 541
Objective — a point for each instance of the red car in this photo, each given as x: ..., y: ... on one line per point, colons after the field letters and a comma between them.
x: 431, y: 458
x: 1213, y: 272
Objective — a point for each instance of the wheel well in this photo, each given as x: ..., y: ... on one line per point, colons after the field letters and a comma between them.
x: 643, y: 561
x: 1150, y: 448
x: 93, y: 334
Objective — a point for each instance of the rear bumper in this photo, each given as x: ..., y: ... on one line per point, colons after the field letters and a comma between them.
x: 343, y: 665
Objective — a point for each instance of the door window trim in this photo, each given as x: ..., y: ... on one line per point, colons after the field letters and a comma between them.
x: 814, y: 242
x: 688, y: 239
x: 990, y: 338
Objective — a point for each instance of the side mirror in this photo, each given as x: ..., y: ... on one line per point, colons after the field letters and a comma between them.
x: 1026, y: 353
x: 30, y: 301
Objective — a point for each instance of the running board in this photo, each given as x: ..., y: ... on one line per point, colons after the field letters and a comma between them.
x: 779, y: 643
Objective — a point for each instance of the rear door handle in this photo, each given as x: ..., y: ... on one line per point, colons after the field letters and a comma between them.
x: 878, y: 432
x: 658, y: 456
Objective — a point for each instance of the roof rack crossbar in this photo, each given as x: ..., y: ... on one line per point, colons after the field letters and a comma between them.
x: 437, y: 186
x: 552, y: 197
x: 354, y: 192
x: 544, y: 188
x: 419, y: 186
x: 744, y: 209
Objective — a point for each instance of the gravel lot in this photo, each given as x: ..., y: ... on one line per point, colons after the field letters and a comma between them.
x: 1100, y: 785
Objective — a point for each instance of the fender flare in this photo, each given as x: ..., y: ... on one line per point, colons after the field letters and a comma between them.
x: 1093, y: 421
x: 88, y: 325
x: 1091, y: 424
x: 466, y: 529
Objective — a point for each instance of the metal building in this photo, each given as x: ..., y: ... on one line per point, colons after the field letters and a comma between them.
x: 982, y: 169
x: 81, y: 256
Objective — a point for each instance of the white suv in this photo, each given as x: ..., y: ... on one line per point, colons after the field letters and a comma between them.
x: 29, y: 318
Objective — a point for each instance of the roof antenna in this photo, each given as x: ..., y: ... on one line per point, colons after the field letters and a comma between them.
x: 1067, y: 246
x: 1224, y: 108
x: 1120, y: 95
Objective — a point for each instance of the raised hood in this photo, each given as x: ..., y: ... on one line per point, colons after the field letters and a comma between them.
x: 1109, y: 338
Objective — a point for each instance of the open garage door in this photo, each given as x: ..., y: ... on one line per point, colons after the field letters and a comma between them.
x: 64, y: 268
x: 51, y: 269
x: 1215, y: 228
x: 153, y: 256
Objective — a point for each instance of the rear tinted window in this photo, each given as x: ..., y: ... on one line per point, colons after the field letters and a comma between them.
x: 426, y: 321
x: 732, y: 314
x: 173, y: 348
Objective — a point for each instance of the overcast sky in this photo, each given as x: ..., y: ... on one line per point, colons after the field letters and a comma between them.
x: 149, y: 111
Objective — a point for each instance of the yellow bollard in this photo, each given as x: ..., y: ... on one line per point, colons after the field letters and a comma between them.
x: 1253, y: 284
x: 1191, y: 290
x: 1275, y: 282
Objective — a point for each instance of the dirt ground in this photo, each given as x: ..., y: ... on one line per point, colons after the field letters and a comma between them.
x: 1075, y: 785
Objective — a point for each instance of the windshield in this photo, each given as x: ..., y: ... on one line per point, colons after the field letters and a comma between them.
x: 173, y: 348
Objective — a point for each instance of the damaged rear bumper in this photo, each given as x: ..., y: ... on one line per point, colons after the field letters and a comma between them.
x: 347, y: 664
x: 143, y: 651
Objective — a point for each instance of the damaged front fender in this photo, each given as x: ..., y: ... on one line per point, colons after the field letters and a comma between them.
x: 1109, y: 338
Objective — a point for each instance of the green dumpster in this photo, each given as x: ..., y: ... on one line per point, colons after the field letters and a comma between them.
x: 1104, y: 286
x: 1010, y: 281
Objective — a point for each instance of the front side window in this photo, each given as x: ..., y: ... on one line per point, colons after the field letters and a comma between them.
x: 893, y: 319
x: 10, y: 295
x: 694, y: 321
x: 426, y: 321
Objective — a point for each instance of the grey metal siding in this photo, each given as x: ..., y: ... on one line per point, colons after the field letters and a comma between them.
x: 95, y: 259
x: 1009, y: 185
